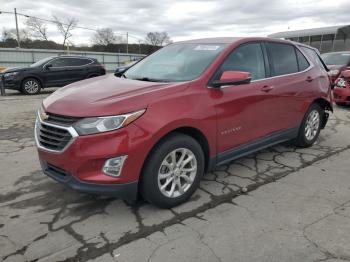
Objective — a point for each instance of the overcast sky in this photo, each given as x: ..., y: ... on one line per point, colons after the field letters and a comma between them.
x: 183, y: 19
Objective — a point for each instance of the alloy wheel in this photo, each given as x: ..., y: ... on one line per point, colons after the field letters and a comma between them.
x: 312, y: 125
x: 177, y: 172
x: 31, y: 87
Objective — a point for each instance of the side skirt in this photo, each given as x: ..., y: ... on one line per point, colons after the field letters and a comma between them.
x: 260, y: 143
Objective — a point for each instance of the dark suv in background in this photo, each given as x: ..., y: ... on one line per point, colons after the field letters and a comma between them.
x: 51, y: 72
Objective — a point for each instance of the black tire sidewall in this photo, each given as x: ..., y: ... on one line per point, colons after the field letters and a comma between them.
x: 30, y: 79
x: 149, y: 180
x: 302, y: 140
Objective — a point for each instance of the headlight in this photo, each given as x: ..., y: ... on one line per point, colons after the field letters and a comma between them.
x: 10, y: 74
x: 95, y: 125
x: 341, y: 82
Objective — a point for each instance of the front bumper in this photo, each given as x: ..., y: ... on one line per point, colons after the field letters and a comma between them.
x: 125, y: 191
x: 79, y: 165
x: 12, y: 83
x: 341, y: 95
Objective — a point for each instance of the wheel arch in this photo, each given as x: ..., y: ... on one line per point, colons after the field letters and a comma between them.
x: 199, y: 136
x: 324, y: 103
x: 193, y: 132
x: 326, y: 106
x: 35, y: 77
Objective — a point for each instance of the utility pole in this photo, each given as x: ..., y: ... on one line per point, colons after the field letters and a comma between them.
x: 127, y: 42
x: 18, y: 40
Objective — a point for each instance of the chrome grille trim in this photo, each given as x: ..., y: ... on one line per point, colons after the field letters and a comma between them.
x: 43, y: 132
x: 61, y: 120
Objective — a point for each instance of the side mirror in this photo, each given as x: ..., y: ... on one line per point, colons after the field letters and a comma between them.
x: 47, y: 66
x: 233, y: 78
x: 120, y: 71
x: 346, y: 73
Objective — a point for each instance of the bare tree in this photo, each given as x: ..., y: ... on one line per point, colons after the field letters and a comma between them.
x: 105, y: 36
x: 37, y: 28
x: 24, y: 34
x: 5, y: 34
x: 12, y: 34
x: 157, y: 38
x: 65, y: 27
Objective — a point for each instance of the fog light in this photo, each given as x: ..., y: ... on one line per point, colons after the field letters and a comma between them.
x: 113, y: 166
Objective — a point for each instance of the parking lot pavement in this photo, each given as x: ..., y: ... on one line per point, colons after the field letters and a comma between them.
x: 301, y: 217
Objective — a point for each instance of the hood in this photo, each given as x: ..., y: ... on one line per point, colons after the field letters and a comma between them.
x: 15, y: 69
x: 107, y: 95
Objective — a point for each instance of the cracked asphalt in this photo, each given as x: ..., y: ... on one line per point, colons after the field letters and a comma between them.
x: 280, y: 204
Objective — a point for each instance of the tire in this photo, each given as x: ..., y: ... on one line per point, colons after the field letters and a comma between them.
x: 311, y: 126
x: 340, y: 104
x: 158, y: 171
x: 31, y: 86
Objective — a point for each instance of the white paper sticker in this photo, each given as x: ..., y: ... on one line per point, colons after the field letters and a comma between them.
x: 207, y: 47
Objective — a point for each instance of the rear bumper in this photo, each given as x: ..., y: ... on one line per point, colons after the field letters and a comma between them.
x: 126, y: 191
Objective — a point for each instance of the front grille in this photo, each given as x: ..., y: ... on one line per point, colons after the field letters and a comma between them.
x: 61, y: 120
x: 53, y: 138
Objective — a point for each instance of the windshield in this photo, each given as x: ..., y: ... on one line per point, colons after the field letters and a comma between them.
x: 176, y: 62
x: 41, y: 62
x: 336, y: 58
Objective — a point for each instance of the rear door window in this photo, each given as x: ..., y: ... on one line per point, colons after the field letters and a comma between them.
x: 60, y: 62
x: 79, y: 61
x: 283, y: 59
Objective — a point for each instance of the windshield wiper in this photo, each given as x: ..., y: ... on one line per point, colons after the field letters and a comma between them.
x: 147, y: 79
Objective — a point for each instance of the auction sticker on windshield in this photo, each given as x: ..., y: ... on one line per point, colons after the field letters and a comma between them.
x: 207, y: 47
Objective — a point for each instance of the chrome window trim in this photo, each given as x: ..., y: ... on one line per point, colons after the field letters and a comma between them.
x: 311, y: 66
x: 91, y: 62
x: 70, y: 129
x: 296, y: 73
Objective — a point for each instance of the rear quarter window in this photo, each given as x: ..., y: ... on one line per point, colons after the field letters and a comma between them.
x: 314, y: 57
x: 283, y: 59
x: 302, y: 61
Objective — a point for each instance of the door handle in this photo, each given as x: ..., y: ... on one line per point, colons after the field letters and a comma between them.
x: 267, y: 88
x: 309, y: 79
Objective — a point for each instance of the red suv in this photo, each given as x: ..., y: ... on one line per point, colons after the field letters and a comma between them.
x: 341, y: 91
x: 180, y: 112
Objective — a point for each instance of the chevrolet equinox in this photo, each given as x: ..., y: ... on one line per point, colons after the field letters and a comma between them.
x: 180, y: 112
x: 51, y: 72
